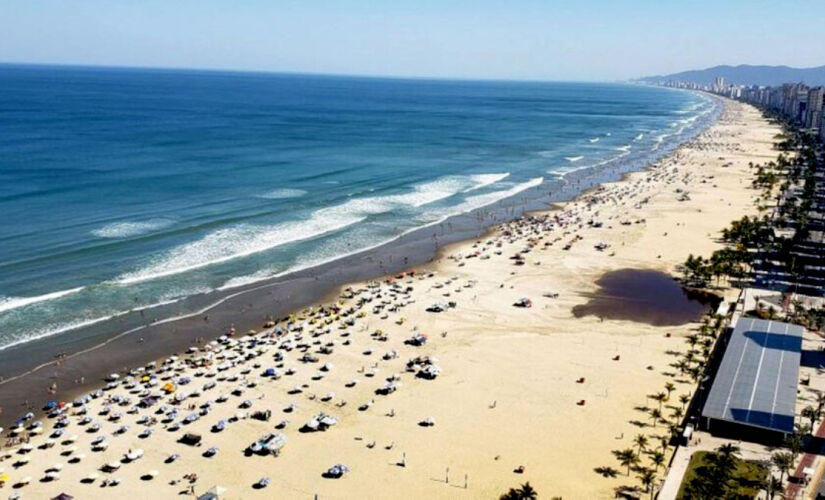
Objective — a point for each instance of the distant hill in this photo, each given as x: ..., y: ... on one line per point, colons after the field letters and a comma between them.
x: 746, y: 75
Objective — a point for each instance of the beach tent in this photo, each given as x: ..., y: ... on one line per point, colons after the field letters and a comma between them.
x: 191, y: 439
x: 214, y: 493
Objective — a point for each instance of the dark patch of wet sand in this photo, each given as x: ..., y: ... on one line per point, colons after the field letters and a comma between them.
x: 644, y: 296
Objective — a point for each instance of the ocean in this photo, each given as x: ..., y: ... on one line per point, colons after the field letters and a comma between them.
x: 127, y: 189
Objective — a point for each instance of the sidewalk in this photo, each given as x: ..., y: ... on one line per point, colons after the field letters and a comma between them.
x: 673, y: 480
x: 795, y: 488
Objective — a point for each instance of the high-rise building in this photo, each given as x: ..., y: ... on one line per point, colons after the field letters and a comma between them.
x: 813, y: 114
x: 719, y: 84
x: 822, y: 126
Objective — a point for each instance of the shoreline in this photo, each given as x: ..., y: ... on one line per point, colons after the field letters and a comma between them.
x: 24, y: 367
x: 539, y: 388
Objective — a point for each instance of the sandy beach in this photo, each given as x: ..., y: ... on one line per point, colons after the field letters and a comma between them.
x: 511, y: 387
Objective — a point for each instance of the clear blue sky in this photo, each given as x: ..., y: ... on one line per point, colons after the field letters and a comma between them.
x: 513, y: 39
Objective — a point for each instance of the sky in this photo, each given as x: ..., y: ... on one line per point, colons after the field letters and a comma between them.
x: 584, y: 40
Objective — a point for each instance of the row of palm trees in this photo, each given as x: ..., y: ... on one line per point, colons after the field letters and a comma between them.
x: 746, y: 240
x: 691, y: 363
x: 751, y: 238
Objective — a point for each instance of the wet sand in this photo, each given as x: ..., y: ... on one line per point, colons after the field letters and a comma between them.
x: 643, y: 296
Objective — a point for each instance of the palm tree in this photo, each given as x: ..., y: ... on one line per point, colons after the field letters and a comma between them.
x: 678, y: 413
x: 695, y: 373
x: 782, y: 460
x: 794, y: 442
x: 646, y: 476
x: 660, y: 397
x: 525, y: 492
x: 606, y: 471
x: 641, y: 442
x: 728, y: 450
x: 627, y: 458
x: 684, y: 399
x: 669, y: 387
x: 771, y: 486
x: 810, y: 412
x: 655, y: 415
x: 657, y: 458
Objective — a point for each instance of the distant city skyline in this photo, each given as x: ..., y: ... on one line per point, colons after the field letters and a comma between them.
x: 591, y: 40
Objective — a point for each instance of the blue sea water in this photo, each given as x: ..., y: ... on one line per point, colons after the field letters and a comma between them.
x: 125, y: 188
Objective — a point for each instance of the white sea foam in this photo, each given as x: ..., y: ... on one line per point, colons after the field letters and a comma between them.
x: 482, y: 200
x: 690, y: 108
x: 9, y: 303
x: 243, y: 240
x: 659, y: 139
x: 573, y: 159
x: 639, y: 137
x: 283, y: 193
x: 595, y: 139
x: 50, y: 329
x: 239, y: 281
x: 471, y: 203
x: 626, y: 147
x: 239, y: 241
x: 426, y: 193
x: 484, y: 180
x: 127, y: 229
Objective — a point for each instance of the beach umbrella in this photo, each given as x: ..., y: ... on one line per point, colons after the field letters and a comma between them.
x: 63, y: 496
x: 4, y: 478
x: 92, y: 477
x: 23, y: 460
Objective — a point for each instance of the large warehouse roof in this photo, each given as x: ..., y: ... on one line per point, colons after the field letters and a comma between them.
x: 757, y: 379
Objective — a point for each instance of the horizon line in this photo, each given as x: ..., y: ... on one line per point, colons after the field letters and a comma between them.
x: 302, y: 73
